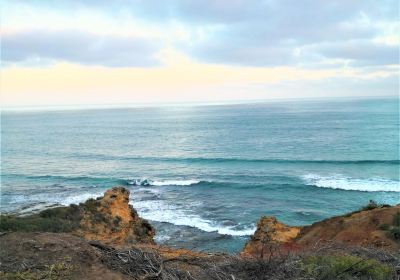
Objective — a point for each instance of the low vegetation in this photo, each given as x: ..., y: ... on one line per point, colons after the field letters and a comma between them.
x: 373, y: 205
x: 60, y: 219
x: 327, y: 261
x: 346, y: 267
x: 329, y: 264
x: 393, y: 231
x: 56, y: 271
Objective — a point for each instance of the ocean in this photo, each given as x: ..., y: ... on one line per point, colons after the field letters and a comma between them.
x: 203, y: 175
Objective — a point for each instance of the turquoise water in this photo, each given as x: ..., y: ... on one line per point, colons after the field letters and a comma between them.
x: 204, y: 175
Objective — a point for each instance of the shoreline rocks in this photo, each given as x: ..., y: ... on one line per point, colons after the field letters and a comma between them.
x: 112, y: 221
x: 105, y: 238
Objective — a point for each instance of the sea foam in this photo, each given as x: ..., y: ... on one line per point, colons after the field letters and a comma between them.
x: 158, y: 210
x: 352, y: 184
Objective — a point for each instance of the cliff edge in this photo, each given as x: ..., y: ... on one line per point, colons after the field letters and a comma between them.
x: 377, y: 226
x: 104, y: 238
x: 108, y: 219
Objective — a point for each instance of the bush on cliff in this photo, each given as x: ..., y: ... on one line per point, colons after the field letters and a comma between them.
x: 345, y: 267
x: 394, y: 232
x: 60, y: 219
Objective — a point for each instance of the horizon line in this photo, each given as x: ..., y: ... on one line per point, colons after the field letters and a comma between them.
x: 105, y: 106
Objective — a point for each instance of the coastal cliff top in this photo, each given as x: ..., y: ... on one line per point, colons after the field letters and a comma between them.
x: 374, y: 226
x: 105, y: 238
x: 108, y: 219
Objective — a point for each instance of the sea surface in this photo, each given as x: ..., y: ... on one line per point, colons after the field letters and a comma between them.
x: 203, y: 175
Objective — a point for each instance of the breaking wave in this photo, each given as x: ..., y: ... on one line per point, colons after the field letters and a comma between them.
x: 158, y: 210
x: 148, y: 182
x: 352, y: 184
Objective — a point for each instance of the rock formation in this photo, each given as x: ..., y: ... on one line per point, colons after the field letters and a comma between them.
x: 270, y: 236
x: 51, y: 244
x: 378, y: 227
x: 375, y: 227
x: 111, y: 220
x: 108, y: 219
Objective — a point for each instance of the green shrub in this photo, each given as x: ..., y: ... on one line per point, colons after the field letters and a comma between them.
x: 395, y: 233
x: 60, y: 219
x: 371, y: 205
x: 396, y: 219
x: 345, y: 267
x: 117, y: 220
x: 90, y: 205
x: 384, y: 227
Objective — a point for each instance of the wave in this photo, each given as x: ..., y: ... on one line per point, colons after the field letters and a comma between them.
x: 160, y: 211
x: 22, y: 203
x: 232, y: 160
x: 352, y: 184
x: 148, y: 182
x: 104, y: 180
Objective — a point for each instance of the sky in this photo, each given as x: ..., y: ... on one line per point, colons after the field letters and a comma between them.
x: 143, y: 51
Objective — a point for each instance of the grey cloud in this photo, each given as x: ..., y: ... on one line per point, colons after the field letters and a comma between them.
x: 79, y: 47
x: 259, y: 33
x: 279, y: 29
x: 244, y: 55
x: 361, y: 53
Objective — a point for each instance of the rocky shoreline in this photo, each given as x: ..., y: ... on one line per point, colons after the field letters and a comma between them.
x: 105, y: 238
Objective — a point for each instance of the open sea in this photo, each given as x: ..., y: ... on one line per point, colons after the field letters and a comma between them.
x: 203, y: 175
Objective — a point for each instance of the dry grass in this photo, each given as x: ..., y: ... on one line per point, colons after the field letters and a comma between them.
x: 331, y: 261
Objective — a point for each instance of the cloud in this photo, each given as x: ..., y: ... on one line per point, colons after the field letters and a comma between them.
x: 309, y: 12
x: 360, y: 53
x: 43, y: 46
x: 238, y: 32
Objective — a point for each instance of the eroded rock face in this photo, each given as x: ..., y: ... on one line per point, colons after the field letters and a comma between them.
x: 369, y: 228
x: 373, y: 227
x: 269, y: 236
x: 111, y: 220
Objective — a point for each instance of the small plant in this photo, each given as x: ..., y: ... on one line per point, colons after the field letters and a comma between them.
x: 394, y: 233
x: 98, y: 218
x: 384, y: 227
x: 117, y: 221
x: 396, y: 219
x: 371, y: 205
x: 91, y: 205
